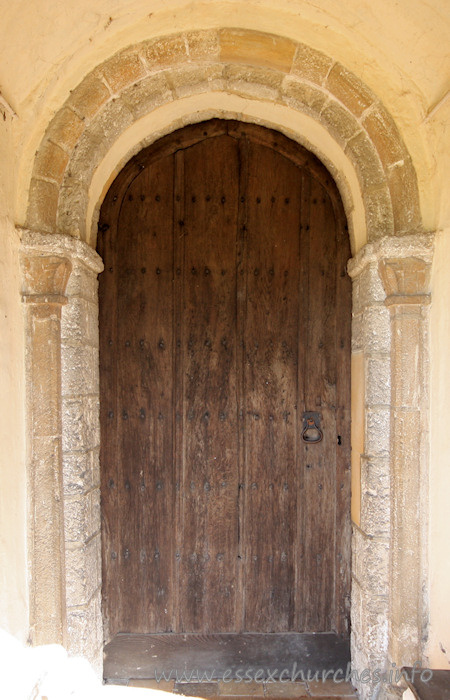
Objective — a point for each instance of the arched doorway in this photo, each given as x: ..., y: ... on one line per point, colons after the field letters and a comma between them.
x: 225, y: 314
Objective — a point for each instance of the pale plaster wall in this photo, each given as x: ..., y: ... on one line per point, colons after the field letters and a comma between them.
x: 439, y: 476
x: 13, y: 535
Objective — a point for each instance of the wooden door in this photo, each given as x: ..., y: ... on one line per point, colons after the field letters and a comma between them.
x: 224, y: 317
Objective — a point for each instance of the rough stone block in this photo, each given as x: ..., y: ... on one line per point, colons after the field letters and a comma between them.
x: 379, y: 215
x: 89, y: 97
x: 51, y: 162
x: 339, y: 121
x: 82, y: 283
x: 255, y: 48
x: 261, y: 83
x: 363, y: 154
x: 375, y: 486
x: 79, y: 370
x: 406, y: 457
x: 378, y: 423
x: 65, y: 129
x: 203, y: 45
x: 378, y: 381
x: 165, y: 52
x: 95, y: 466
x: 406, y: 369
x: 349, y: 89
x: 73, y: 201
x: 376, y: 330
x: 77, y: 472
x: 85, y: 634
x: 41, y: 213
x: 147, y: 94
x: 81, y: 430
x: 370, y: 614
x: 123, y: 69
x: 405, y: 197
x: 384, y: 134
x: 97, y: 139
x: 375, y: 514
x: 82, y: 516
x: 311, y: 64
x: 302, y: 95
x: 371, y: 290
x: 83, y: 572
x: 194, y: 79
x: 370, y: 558
x: 79, y: 322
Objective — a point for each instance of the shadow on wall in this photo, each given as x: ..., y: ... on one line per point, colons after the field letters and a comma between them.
x: 48, y: 673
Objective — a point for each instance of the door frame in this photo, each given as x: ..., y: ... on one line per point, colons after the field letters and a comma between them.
x: 394, y: 266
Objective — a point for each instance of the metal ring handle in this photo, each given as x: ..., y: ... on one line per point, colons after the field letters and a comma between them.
x: 310, y: 425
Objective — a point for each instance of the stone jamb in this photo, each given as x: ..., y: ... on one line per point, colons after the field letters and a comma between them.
x: 391, y: 297
x: 60, y: 288
x: 45, y: 276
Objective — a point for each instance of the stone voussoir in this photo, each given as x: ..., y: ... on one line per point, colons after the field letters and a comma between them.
x: 402, y: 182
x: 363, y: 153
x: 256, y: 48
x: 65, y: 129
x: 347, y: 88
x: 43, y: 204
x: 303, y: 95
x: 164, y: 52
x: 311, y: 64
x: 384, y: 134
x: 147, y: 94
x: 193, y: 79
x: 339, y: 121
x: 253, y: 81
x: 73, y: 200
x: 203, y: 45
x: 51, y: 162
x: 379, y: 215
x: 123, y: 69
x: 88, y: 98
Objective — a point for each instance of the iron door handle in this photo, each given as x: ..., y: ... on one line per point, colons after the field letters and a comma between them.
x: 311, y: 432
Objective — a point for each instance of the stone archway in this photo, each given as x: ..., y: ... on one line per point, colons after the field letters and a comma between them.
x: 393, y: 269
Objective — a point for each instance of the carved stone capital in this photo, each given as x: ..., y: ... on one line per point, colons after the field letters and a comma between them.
x: 414, y: 246
x: 45, y: 278
x: 405, y: 280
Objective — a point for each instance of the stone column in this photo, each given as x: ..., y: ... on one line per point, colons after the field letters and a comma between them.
x: 81, y: 444
x: 60, y: 288
x: 390, y: 298
x: 370, y: 471
x: 407, y: 285
x: 45, y: 277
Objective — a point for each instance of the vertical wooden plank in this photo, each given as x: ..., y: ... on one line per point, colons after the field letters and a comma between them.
x: 178, y: 374
x: 271, y: 346
x: 241, y: 297
x: 318, y: 461
x: 209, y: 526
x: 144, y: 387
x: 108, y: 416
x: 343, y: 403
